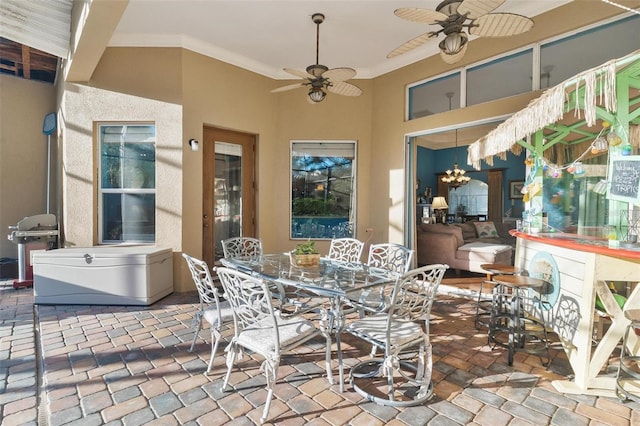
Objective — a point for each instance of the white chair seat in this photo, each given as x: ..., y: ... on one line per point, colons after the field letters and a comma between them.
x: 375, y: 328
x: 259, y: 337
x: 210, y: 315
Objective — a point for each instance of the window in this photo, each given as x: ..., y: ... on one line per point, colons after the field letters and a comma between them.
x: 470, y: 199
x: 430, y: 97
x: 323, y: 195
x: 486, y: 82
x: 561, y: 59
x: 127, y: 195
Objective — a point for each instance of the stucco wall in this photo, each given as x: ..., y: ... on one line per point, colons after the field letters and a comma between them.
x: 23, y: 153
x: 221, y: 95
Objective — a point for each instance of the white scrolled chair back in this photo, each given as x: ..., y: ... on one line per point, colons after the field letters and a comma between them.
x: 346, y: 250
x: 242, y: 247
x: 391, y: 256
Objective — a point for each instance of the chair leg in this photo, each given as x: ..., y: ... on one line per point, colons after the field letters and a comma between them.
x: 271, y: 374
x: 197, y: 323
x: 340, y: 366
x: 231, y: 356
x: 267, y: 405
x: 327, y: 360
x: 215, y: 340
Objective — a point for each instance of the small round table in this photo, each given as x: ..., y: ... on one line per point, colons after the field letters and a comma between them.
x: 483, y: 305
x: 511, y: 315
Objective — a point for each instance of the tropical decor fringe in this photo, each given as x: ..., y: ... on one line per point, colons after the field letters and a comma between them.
x: 549, y: 108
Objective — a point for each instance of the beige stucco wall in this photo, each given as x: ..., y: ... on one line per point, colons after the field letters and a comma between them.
x: 335, y: 118
x: 23, y: 153
x: 221, y: 95
x: 123, y: 94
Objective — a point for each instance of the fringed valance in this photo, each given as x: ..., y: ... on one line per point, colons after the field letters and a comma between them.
x: 549, y: 108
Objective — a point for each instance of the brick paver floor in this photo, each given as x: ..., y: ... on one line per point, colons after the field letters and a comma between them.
x: 130, y: 365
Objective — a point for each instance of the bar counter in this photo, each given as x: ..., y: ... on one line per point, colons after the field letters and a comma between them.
x: 579, y: 268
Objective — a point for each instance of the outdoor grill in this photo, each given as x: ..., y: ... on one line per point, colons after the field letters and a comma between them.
x: 32, y: 233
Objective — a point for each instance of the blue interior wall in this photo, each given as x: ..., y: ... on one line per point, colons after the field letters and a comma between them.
x: 431, y: 162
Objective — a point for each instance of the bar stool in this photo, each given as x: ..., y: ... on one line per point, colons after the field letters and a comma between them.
x: 629, y: 367
x: 512, y: 324
x: 483, y: 306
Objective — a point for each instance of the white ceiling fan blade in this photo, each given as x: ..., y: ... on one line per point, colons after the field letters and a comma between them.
x: 452, y: 59
x: 423, y: 16
x: 345, y: 89
x: 298, y: 73
x: 337, y: 75
x: 477, y: 8
x: 410, y: 45
x: 501, y: 25
x: 289, y: 87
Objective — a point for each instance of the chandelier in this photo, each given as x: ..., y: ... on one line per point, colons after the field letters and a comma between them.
x: 455, y: 178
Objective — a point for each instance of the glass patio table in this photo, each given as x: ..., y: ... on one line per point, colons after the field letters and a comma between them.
x: 331, y: 279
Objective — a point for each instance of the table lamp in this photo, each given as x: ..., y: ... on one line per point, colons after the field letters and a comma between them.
x: 440, y: 204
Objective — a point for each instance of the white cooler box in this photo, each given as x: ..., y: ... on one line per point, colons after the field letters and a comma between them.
x: 104, y: 275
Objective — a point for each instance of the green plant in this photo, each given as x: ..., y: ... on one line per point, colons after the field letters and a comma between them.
x: 306, y: 248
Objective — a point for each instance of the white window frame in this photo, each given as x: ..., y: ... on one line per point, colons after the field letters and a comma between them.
x: 354, y: 185
x: 102, y: 191
x: 535, y: 72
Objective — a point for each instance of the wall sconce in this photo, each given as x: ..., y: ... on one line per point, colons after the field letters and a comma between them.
x: 193, y: 144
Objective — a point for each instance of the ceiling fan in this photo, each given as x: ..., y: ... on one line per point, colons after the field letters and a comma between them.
x: 454, y: 16
x: 320, y: 78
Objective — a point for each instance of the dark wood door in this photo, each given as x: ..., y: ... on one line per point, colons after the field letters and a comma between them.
x: 228, y: 191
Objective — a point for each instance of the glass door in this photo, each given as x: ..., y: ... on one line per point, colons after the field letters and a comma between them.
x: 227, y: 195
x: 228, y: 189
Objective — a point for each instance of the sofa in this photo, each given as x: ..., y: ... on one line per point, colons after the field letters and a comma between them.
x: 465, y: 246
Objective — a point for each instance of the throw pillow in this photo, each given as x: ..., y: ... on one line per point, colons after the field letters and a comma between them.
x: 468, y: 230
x: 486, y: 229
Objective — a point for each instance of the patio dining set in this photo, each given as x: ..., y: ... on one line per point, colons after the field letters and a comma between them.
x: 275, y: 306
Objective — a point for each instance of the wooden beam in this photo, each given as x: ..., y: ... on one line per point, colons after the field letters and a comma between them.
x: 26, y: 62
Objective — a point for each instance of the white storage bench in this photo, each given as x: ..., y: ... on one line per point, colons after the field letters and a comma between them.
x: 104, y: 275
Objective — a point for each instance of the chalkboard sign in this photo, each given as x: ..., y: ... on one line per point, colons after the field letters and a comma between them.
x: 624, y: 179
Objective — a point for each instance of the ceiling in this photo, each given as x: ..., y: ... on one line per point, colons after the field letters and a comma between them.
x: 266, y: 36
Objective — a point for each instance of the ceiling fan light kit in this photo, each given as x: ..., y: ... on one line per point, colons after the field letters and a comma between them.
x: 454, y: 16
x: 320, y: 78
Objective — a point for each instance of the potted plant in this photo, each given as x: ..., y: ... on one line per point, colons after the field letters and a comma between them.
x: 305, y: 254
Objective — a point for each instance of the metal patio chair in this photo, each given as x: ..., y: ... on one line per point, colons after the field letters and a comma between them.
x: 390, y: 256
x: 402, y: 333
x: 262, y: 330
x: 212, y: 309
x: 347, y: 250
x: 242, y: 247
